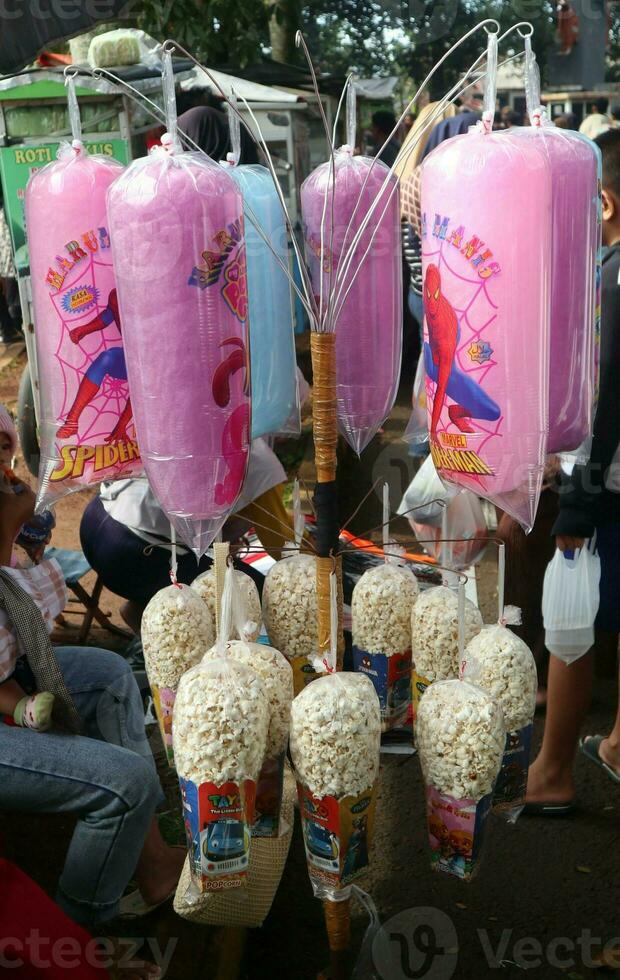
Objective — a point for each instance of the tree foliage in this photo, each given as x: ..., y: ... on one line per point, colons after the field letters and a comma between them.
x: 216, y: 31
x: 370, y: 37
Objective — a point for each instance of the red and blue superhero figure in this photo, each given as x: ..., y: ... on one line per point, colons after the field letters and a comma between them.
x: 110, y: 363
x: 470, y: 400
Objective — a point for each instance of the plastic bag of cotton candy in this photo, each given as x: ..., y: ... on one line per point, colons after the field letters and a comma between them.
x: 435, y: 637
x: 220, y: 726
x: 176, y: 633
x: 460, y: 736
x: 335, y: 739
x: 499, y: 662
x: 381, y: 613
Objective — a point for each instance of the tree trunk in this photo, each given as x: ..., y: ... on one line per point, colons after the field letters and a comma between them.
x: 284, y: 22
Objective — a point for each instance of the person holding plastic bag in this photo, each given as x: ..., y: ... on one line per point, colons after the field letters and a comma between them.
x: 590, y: 500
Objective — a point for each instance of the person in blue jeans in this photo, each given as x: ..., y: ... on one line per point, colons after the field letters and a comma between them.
x: 106, y: 776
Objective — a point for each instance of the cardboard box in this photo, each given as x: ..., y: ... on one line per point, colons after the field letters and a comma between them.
x: 456, y: 832
x: 391, y: 678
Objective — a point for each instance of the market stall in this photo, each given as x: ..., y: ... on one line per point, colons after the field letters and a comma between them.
x: 181, y: 347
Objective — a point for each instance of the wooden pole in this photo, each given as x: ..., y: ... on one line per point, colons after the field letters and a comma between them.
x: 325, y: 424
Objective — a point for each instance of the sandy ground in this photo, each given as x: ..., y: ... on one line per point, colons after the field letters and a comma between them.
x: 546, y: 889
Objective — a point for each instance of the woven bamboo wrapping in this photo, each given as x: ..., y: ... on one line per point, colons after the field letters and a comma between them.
x: 247, y: 906
x: 338, y: 923
x: 325, y: 419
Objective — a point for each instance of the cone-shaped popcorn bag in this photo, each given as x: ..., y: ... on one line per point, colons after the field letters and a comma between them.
x: 277, y: 676
x: 486, y: 262
x: 206, y: 587
x: 221, y: 718
x: 499, y: 662
x: 86, y: 426
x: 435, y: 637
x: 335, y: 740
x: 460, y: 738
x: 381, y: 607
x: 290, y: 613
x: 275, y: 405
x: 177, y: 220
x: 176, y: 633
x: 366, y: 305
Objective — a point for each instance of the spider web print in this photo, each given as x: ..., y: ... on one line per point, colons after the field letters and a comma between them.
x: 476, y: 313
x: 99, y: 417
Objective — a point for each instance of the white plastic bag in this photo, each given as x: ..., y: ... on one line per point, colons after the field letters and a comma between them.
x: 570, y: 603
x: 428, y: 495
x: 462, y: 537
x: 417, y: 427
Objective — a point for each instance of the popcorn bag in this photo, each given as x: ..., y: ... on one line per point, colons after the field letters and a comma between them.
x: 335, y: 740
x: 435, y: 638
x: 381, y: 610
x: 290, y: 614
x: 277, y: 677
x: 249, y: 599
x: 176, y: 632
x: 221, y: 718
x: 499, y: 662
x: 460, y: 738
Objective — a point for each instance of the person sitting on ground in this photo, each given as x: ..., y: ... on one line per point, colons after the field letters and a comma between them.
x: 125, y: 534
x: 591, y: 501
x: 32, y: 711
x: 105, y: 773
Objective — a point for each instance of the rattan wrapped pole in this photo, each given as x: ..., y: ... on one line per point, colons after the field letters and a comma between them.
x: 325, y: 424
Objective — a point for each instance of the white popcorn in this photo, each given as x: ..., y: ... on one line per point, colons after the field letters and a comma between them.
x: 498, y: 661
x: 176, y: 633
x: 335, y: 735
x: 219, y: 728
x: 277, y: 677
x: 435, y: 634
x: 381, y: 609
x: 289, y: 606
x: 460, y: 738
x: 204, y: 585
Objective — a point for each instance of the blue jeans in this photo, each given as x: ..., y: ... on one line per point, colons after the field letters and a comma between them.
x: 107, y: 777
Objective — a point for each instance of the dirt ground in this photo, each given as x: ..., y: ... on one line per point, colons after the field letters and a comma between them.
x: 544, y: 897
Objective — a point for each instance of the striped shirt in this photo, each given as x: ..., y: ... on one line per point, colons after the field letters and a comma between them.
x: 46, y: 585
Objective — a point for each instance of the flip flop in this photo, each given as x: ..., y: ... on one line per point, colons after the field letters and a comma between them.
x: 548, y: 809
x: 133, y: 906
x: 590, y: 747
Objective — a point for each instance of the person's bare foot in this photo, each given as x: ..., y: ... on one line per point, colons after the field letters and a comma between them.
x: 158, y: 880
x: 609, y: 752
x: 544, y: 786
